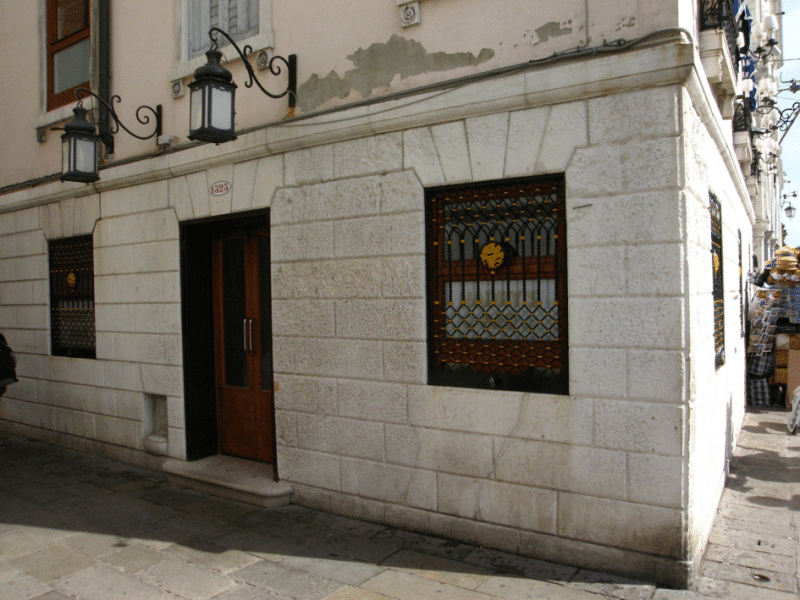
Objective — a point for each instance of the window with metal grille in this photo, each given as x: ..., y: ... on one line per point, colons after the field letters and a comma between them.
x: 497, y: 285
x: 741, y: 284
x: 716, y: 263
x: 72, y: 297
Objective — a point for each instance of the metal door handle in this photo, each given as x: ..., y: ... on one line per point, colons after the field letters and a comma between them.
x: 251, y: 334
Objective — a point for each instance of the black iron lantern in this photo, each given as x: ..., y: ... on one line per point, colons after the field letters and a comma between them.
x: 211, y: 102
x: 79, y: 149
x: 787, y: 206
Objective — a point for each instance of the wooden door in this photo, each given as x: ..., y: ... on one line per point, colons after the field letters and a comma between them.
x: 242, y: 343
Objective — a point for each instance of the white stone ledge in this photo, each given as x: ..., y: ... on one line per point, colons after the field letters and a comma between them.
x: 670, y: 63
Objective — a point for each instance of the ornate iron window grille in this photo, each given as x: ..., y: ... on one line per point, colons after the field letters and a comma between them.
x: 72, y: 320
x: 742, y: 117
x: 741, y: 284
x: 719, y: 14
x: 497, y: 286
x: 718, y: 288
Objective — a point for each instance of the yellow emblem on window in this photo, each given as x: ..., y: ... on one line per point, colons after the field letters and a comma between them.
x: 492, y: 255
x: 71, y: 281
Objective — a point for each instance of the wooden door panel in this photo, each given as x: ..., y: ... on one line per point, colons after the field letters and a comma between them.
x: 237, y: 423
x: 243, y: 366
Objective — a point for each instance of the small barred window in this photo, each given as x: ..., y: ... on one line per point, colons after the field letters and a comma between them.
x: 719, y: 296
x: 497, y: 284
x: 72, y: 323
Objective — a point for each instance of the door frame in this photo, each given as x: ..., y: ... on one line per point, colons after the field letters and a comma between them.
x: 197, y: 323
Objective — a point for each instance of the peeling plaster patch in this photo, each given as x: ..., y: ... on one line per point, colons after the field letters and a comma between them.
x: 552, y: 29
x: 378, y: 65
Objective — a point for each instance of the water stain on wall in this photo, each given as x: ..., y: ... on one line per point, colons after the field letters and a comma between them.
x: 378, y: 65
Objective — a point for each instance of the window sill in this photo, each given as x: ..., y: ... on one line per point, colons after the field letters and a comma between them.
x: 59, y: 116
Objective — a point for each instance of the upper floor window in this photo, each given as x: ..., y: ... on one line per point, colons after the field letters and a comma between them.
x: 497, y: 289
x: 239, y: 18
x: 69, y: 50
x: 249, y: 22
x: 72, y: 322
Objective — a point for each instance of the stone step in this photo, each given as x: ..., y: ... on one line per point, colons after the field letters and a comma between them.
x: 230, y: 477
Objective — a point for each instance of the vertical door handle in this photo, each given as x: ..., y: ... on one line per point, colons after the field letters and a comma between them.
x: 251, y: 334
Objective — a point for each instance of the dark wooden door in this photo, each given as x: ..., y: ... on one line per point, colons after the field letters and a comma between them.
x: 242, y: 343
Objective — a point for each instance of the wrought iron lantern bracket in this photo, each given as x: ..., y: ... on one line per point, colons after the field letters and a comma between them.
x: 80, y: 144
x: 273, y: 66
x: 141, y: 115
x: 786, y: 117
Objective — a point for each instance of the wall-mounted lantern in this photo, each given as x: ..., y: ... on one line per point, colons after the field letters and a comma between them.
x: 211, y: 101
x: 80, y: 145
x: 788, y: 208
x: 79, y: 149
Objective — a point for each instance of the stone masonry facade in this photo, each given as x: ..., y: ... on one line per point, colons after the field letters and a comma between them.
x: 600, y: 477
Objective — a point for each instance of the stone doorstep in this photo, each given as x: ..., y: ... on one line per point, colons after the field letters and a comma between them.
x: 230, y: 477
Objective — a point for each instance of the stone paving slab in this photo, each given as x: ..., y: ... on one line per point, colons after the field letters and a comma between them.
x: 405, y: 586
x: 209, y: 555
x: 186, y: 580
x: 612, y: 585
x: 761, y: 561
x: 16, y: 585
x: 720, y: 588
x: 300, y: 585
x: 52, y: 562
x: 105, y: 583
x: 134, y: 558
x: 439, y: 569
x: 514, y: 588
x: 782, y: 582
x: 352, y: 593
x: 111, y: 531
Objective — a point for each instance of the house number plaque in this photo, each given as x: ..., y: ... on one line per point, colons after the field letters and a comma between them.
x: 219, y: 188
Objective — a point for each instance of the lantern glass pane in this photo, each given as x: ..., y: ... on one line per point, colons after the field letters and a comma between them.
x: 222, y: 108
x: 85, y: 155
x: 196, y: 109
x: 65, y: 152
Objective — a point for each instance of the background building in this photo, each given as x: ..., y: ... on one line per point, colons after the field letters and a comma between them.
x: 486, y: 282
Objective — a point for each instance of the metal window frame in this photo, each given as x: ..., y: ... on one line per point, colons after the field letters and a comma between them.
x: 82, y: 344
x: 528, y: 362
x: 719, y: 14
x: 717, y: 260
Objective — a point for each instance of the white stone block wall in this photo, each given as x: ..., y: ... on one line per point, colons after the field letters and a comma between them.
x: 716, y: 395
x: 601, y: 476
x: 98, y: 404
x: 361, y: 433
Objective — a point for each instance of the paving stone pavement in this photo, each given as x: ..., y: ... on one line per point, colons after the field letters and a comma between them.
x: 78, y: 526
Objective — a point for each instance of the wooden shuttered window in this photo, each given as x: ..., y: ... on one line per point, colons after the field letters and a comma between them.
x: 239, y: 18
x: 69, y: 50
